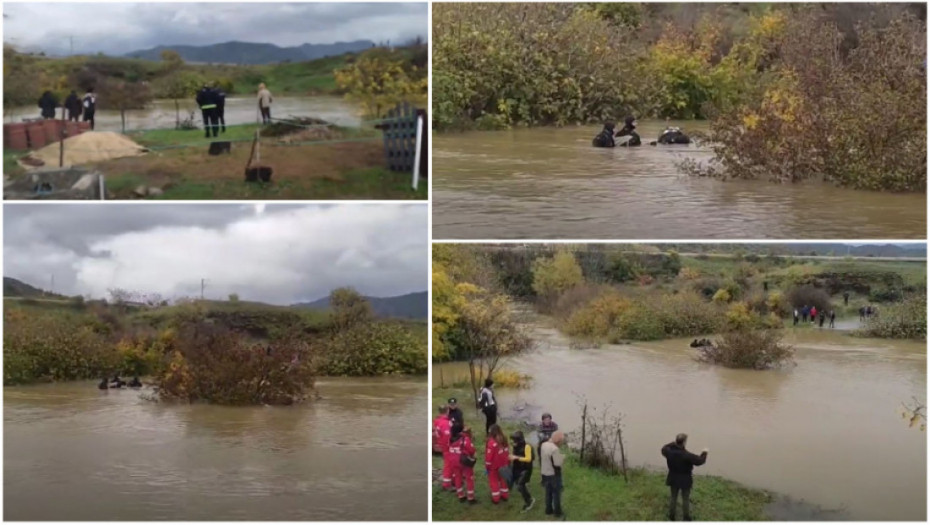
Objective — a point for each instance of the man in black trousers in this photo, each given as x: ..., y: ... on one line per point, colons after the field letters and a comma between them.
x: 680, y: 464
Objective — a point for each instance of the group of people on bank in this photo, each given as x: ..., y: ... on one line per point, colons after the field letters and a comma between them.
x: 509, y: 463
x: 211, y: 99
x: 75, y: 108
x: 812, y: 314
x: 607, y: 137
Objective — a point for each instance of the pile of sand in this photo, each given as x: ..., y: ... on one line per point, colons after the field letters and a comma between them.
x: 87, y: 148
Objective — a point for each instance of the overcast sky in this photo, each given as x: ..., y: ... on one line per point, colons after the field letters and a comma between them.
x: 120, y: 28
x: 279, y: 254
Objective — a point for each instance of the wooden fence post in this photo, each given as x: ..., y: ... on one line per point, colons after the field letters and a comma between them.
x: 622, y: 454
x: 584, y: 425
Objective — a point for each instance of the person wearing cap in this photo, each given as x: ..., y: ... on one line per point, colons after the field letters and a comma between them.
x: 629, y: 129
x: 442, y: 434
x: 488, y: 404
x: 456, y: 418
x: 680, y: 465
x: 496, y: 457
x: 522, y: 467
x: 551, y: 460
x: 462, y: 449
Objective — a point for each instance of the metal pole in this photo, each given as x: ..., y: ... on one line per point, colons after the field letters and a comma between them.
x: 416, y: 159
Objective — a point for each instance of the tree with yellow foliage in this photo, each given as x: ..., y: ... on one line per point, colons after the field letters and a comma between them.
x: 379, y: 82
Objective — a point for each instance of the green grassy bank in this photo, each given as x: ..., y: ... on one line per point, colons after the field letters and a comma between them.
x: 592, y: 495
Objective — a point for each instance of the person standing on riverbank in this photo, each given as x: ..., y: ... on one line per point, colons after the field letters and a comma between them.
x: 522, y: 467
x: 680, y: 465
x: 456, y: 418
x: 220, y: 106
x: 488, y: 404
x: 73, y: 105
x: 264, y: 103
x: 823, y: 317
x: 795, y: 317
x: 47, y: 103
x: 442, y: 434
x: 545, y: 430
x: 206, y: 99
x: 805, y: 312
x: 496, y: 457
x: 813, y: 315
x: 463, y: 466
x: 90, y: 106
x: 551, y: 460
x: 832, y: 319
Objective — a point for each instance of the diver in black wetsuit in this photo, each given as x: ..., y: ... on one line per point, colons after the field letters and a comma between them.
x: 605, y: 139
x: 117, y: 382
x: 673, y: 135
x: 135, y: 383
x: 629, y: 128
x: 104, y: 385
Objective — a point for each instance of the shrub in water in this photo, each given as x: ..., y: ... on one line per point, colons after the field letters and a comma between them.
x: 377, y: 348
x: 752, y: 349
x: 907, y: 320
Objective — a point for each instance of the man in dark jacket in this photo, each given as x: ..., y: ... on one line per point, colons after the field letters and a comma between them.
x: 455, y: 415
x: 90, y: 106
x: 74, y: 106
x: 220, y: 106
x: 680, y: 465
x: 48, y: 103
x: 206, y: 99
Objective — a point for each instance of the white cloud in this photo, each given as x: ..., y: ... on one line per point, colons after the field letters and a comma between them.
x: 279, y: 256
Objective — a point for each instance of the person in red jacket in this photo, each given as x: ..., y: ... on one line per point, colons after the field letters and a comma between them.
x: 462, y: 449
x: 496, y: 457
x: 442, y: 433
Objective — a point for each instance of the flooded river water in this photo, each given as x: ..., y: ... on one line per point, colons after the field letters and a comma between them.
x: 549, y: 183
x: 72, y: 452
x: 827, y: 431
x: 239, y: 110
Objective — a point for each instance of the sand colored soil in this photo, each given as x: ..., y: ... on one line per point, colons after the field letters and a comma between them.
x: 86, y: 148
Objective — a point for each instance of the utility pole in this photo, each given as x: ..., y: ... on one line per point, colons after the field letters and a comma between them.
x: 202, y: 284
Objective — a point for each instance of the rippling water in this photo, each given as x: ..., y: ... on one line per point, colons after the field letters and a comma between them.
x: 549, y: 183
x: 74, y: 452
x: 828, y: 431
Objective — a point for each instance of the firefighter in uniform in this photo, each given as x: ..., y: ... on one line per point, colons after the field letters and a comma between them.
x: 206, y: 99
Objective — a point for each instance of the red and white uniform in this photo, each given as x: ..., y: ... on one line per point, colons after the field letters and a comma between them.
x: 442, y: 432
x: 460, y: 473
x: 496, y: 457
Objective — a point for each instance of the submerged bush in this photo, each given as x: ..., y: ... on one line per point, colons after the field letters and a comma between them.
x: 216, y: 365
x: 807, y: 295
x: 753, y: 349
x: 377, y: 348
x: 906, y: 320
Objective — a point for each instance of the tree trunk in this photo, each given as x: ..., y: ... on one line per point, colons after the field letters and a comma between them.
x: 177, y: 115
x: 584, y: 426
x: 122, y: 117
x: 622, y: 454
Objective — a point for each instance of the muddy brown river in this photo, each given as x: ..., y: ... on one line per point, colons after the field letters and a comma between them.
x: 160, y: 114
x: 549, y: 183
x: 72, y: 452
x: 827, y: 431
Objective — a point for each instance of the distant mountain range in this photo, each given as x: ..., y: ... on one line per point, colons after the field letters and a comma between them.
x: 16, y: 288
x: 409, y: 306
x: 253, y: 53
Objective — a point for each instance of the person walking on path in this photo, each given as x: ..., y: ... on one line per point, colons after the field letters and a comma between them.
x: 522, y: 467
x: 496, y: 457
x: 680, y: 465
x: 488, y: 404
x: 264, y: 103
x: 551, y: 469
x: 832, y: 319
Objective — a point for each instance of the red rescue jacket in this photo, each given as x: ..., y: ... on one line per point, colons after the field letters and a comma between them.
x: 442, y: 431
x: 462, y: 445
x: 495, y: 456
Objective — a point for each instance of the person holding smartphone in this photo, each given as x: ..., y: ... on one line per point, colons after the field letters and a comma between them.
x: 680, y: 465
